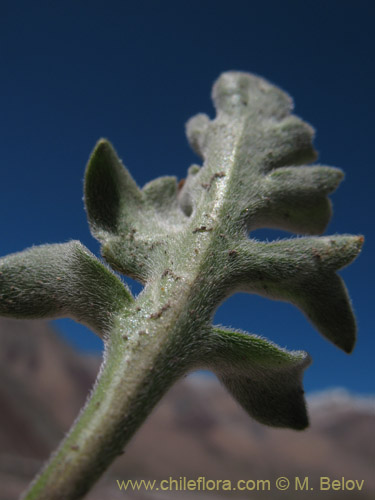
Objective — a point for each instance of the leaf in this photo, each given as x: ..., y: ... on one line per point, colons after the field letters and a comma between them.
x: 59, y: 280
x: 295, y: 199
x: 237, y: 94
x: 265, y: 379
x: 252, y: 135
x: 108, y: 188
x: 129, y: 222
x: 196, y: 131
x: 302, y: 271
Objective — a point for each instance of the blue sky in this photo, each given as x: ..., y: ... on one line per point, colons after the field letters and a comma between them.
x: 134, y: 72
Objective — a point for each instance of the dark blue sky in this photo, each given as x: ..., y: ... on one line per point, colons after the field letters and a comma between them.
x: 134, y: 72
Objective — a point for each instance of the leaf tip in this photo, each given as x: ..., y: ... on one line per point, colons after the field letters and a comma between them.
x: 102, y: 188
x: 196, y: 132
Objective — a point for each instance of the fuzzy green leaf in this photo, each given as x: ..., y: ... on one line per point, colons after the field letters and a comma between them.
x: 189, y: 245
x: 302, y: 271
x: 196, y: 131
x: 59, y: 280
x: 265, y: 379
x: 161, y: 193
x: 236, y: 94
x: 252, y: 135
x: 294, y: 199
x: 129, y: 222
x: 108, y: 188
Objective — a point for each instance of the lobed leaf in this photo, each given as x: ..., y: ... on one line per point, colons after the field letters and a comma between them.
x: 295, y: 199
x: 302, y: 271
x: 52, y: 281
x: 161, y: 193
x: 265, y: 379
x: 108, y: 189
x: 236, y: 94
x: 196, y: 131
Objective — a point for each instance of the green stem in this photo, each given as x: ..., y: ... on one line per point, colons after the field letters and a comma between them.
x: 135, y: 373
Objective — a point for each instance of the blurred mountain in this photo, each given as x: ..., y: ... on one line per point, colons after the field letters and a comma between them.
x: 196, y: 430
